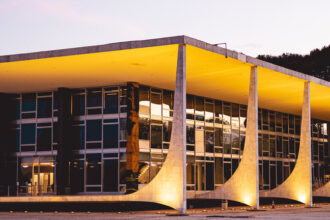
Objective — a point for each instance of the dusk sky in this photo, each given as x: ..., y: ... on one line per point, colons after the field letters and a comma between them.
x: 252, y: 27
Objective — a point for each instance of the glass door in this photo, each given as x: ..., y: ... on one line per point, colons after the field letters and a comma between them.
x: 46, y: 175
x: 37, y: 175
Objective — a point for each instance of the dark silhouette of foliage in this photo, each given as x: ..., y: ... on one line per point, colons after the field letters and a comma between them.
x: 316, y: 63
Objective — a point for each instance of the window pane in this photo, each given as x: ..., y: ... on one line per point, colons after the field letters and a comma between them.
x: 242, y: 141
x: 190, y: 107
x: 28, y: 133
x: 242, y: 116
x: 190, y: 170
x: 144, y: 129
x: 156, y: 136
x: 110, y: 176
x: 279, y: 172
x: 218, y: 111
x: 93, y: 170
x: 25, y: 170
x: 123, y: 124
x: 235, y: 115
x: 110, y: 136
x: 272, y: 121
x: 44, y: 107
x: 235, y: 165
x: 94, y: 97
x: 111, y: 103
x: 28, y: 102
x: 235, y: 139
x: 227, y: 171
x: 227, y: 142
x: 167, y: 129
x: 78, y: 105
x: 55, y: 132
x: 285, y: 124
x: 79, y: 137
x: 199, y: 108
x: 209, y: 115
x: 265, y: 144
x: 279, y: 144
x: 226, y: 114
x: 94, y: 130
x: 44, y: 139
x: 218, y: 170
x: 55, y: 100
x: 218, y: 137
x: 144, y: 100
x: 209, y: 176
x: 209, y: 141
x: 156, y: 107
x: 190, y: 134
x: 18, y: 109
x: 167, y: 103
x: 272, y: 147
x: 77, y: 176
x: 17, y: 139
x: 265, y: 172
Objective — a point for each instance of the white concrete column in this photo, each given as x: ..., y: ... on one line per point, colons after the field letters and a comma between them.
x: 178, y: 135
x: 169, y: 185
x: 298, y: 186
x: 305, y: 142
x: 253, y: 130
x: 243, y: 186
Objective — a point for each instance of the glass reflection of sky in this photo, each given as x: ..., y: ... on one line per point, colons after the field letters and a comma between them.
x: 156, y: 109
x: 166, y: 110
x: 209, y: 116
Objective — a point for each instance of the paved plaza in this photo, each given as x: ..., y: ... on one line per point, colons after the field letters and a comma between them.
x: 283, y: 212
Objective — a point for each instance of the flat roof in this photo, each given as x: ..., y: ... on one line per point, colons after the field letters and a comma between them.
x: 212, y: 71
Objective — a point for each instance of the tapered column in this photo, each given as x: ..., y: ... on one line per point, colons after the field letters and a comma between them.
x: 298, y: 186
x: 305, y: 144
x: 180, y: 118
x: 169, y: 185
x: 243, y: 185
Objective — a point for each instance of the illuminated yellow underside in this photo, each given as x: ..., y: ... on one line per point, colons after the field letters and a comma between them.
x: 208, y: 74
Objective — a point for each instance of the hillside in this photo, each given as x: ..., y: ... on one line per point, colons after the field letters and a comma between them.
x: 316, y: 63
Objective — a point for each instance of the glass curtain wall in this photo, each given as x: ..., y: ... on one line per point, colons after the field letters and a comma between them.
x: 99, y: 125
x: 36, y: 120
x: 215, y: 141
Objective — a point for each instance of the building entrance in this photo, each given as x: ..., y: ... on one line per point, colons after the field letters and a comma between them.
x: 37, y: 175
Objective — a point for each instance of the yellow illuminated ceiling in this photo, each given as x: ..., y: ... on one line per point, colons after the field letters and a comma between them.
x: 208, y: 74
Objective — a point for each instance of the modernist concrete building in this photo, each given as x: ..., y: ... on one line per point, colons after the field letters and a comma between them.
x: 161, y: 120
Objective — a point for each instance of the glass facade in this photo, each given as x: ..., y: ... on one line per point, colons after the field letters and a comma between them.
x: 215, y: 141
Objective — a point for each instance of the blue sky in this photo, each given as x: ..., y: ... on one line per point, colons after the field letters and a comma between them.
x: 249, y: 26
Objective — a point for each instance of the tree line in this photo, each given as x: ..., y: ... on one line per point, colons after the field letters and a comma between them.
x: 316, y: 63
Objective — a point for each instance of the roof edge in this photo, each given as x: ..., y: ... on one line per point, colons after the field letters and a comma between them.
x: 252, y: 60
x: 93, y: 49
x: 181, y: 39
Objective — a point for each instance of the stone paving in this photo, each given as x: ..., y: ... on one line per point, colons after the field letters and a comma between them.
x: 283, y: 212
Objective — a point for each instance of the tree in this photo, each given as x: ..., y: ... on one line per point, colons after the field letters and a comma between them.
x: 316, y: 63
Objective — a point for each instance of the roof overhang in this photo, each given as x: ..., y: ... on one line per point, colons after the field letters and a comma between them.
x: 211, y: 71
